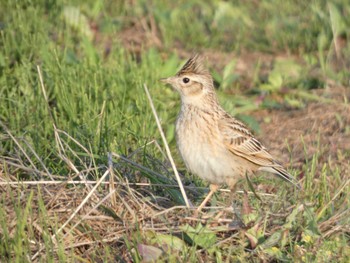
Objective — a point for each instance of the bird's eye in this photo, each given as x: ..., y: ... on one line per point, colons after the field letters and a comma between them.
x: 186, y: 80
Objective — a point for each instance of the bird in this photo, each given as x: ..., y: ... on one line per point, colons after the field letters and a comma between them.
x: 213, y: 144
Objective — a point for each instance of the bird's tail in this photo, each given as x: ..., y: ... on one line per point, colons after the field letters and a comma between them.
x: 278, y: 170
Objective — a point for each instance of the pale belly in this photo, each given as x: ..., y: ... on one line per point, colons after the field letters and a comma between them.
x: 206, y: 156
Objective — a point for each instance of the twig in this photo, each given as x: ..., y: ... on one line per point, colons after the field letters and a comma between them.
x: 111, y: 179
x: 167, y: 148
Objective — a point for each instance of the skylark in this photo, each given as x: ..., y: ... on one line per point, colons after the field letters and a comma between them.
x: 214, y: 145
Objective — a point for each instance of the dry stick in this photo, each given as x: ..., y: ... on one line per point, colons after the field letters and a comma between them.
x: 60, y: 145
x: 111, y: 179
x: 168, y: 210
x: 167, y: 148
x: 100, y: 117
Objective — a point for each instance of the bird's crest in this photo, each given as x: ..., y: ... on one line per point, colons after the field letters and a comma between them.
x: 194, y: 65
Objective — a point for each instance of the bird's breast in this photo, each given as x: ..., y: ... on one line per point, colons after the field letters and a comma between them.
x: 201, y: 147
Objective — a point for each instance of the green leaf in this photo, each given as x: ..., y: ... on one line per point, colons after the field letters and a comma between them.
x: 169, y: 66
x: 255, y: 235
x: 294, y: 102
x: 227, y: 12
x: 274, y: 252
x: 110, y: 212
x: 228, y: 76
x: 170, y: 241
x: 276, y: 80
x: 287, y: 68
x: 201, y: 235
x: 73, y: 17
x: 273, y: 240
x: 267, y: 87
x: 337, y: 20
x: 216, y: 76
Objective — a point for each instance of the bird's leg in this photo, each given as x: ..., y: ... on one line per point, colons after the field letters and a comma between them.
x: 237, y: 222
x: 213, y: 189
x: 232, y: 185
x: 233, y: 199
x: 247, y: 209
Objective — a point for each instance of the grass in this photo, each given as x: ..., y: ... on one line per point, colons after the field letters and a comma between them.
x: 95, y: 56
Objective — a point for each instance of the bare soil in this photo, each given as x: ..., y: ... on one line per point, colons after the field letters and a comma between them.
x: 322, y: 128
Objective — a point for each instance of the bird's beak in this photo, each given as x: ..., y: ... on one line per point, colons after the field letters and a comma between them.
x: 167, y: 80
x: 164, y: 80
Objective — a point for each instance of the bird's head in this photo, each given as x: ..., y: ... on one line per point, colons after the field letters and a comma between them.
x: 193, y: 81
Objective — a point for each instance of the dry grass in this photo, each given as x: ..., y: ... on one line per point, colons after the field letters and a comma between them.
x: 106, y: 218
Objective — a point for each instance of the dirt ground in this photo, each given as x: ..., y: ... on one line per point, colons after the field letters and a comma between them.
x: 322, y: 128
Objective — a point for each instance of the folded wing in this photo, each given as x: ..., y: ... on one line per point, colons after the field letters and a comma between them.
x: 241, y: 142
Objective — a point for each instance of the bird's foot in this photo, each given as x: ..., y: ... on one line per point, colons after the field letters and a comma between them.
x: 237, y: 222
x: 213, y: 189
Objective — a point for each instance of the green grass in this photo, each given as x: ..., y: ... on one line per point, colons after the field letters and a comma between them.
x: 94, y: 83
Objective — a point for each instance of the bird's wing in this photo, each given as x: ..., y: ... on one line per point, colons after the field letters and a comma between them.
x: 241, y: 142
